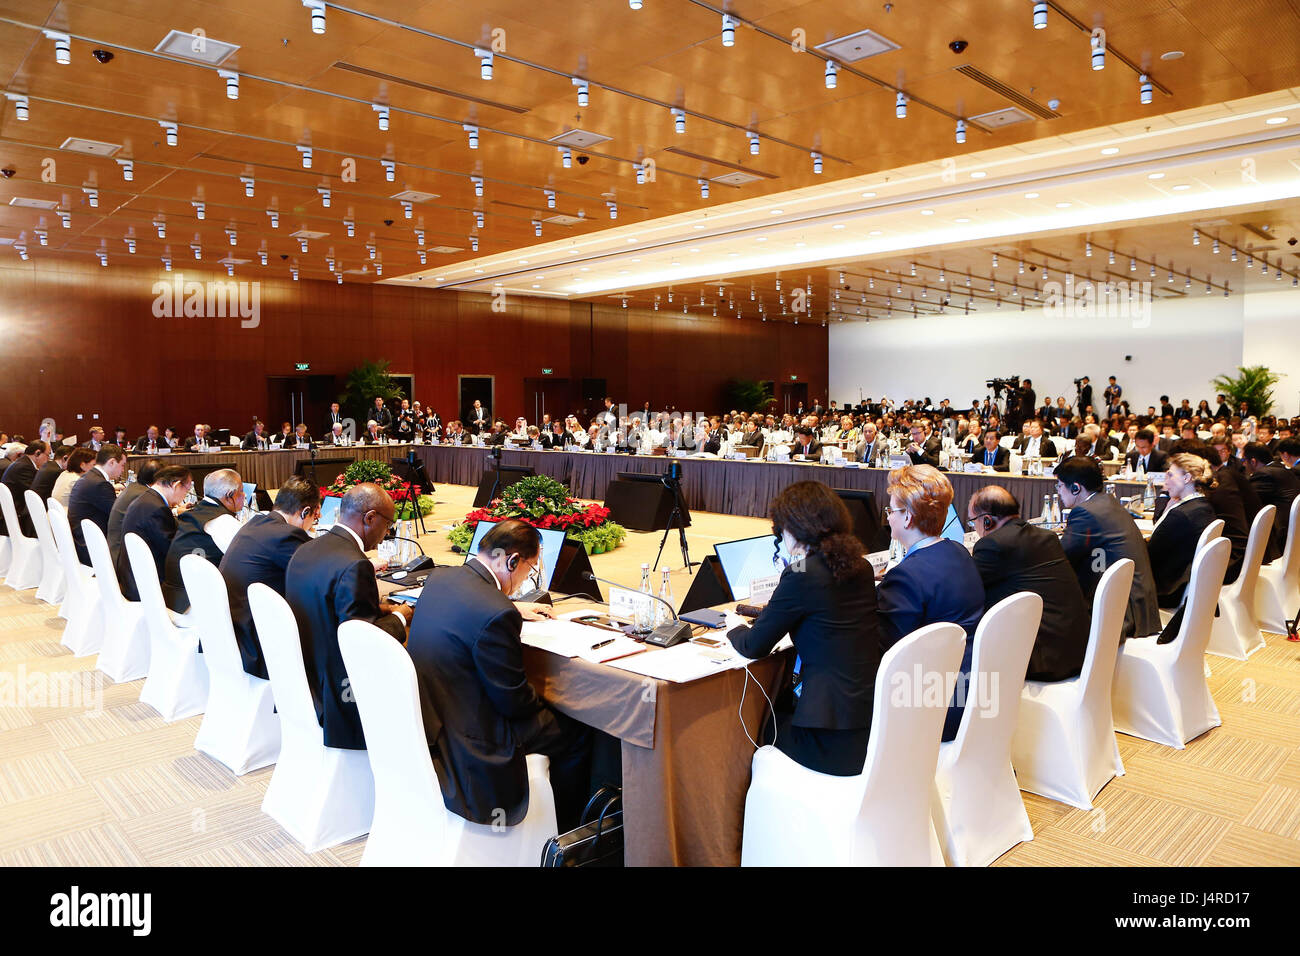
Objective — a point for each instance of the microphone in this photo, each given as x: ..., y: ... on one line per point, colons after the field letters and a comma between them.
x: 667, y: 634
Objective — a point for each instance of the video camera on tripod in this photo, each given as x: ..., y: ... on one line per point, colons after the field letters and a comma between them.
x: 998, y: 384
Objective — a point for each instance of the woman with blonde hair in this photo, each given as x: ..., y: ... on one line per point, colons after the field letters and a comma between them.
x: 1172, y: 545
x: 937, y: 579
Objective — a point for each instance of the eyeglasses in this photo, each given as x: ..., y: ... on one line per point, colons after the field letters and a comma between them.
x: 970, y: 524
x: 889, y: 510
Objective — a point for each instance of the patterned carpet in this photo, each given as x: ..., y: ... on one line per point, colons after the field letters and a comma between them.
x: 89, y: 776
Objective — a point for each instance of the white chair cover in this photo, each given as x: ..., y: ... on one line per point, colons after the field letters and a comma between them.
x: 799, y: 817
x: 240, y: 727
x: 124, y: 653
x: 51, y: 588
x: 1277, y: 594
x: 25, y: 555
x: 1160, y: 691
x: 177, y: 685
x: 84, y: 632
x: 412, y: 826
x: 1064, y: 747
x: 1212, y: 530
x: 978, y: 811
x: 321, y: 795
x: 1235, y: 632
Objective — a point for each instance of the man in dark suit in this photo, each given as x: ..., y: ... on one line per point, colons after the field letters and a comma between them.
x: 18, y: 478
x: 144, y: 477
x: 381, y: 415
x: 92, y: 496
x: 1028, y: 397
x: 1144, y: 456
x: 1012, y: 556
x: 330, y: 580
x: 805, y: 445
x: 869, y: 446
x: 149, y: 442
x: 1098, y: 533
x: 480, y: 419
x: 205, y: 529
x: 335, y: 417
x: 973, y: 441
x: 260, y: 554
x: 199, y: 440
x: 993, y: 454
x: 1276, y: 485
x: 1223, y: 411
x: 43, y: 483
x: 925, y: 445
x: 257, y: 438
x: 481, y: 715
x: 1085, y: 394
x: 151, y: 517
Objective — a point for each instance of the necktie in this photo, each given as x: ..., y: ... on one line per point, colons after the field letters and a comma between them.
x: 988, y: 457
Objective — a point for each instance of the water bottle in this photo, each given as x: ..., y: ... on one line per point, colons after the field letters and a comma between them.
x: 1047, y: 510
x: 644, y: 618
x: 666, y: 594
x: 1056, y: 511
x: 1110, y: 488
x: 1149, y: 496
x: 130, y: 476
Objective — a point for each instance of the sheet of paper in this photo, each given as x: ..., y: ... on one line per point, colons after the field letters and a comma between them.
x: 683, y: 663
x: 618, y: 647
x: 561, y: 637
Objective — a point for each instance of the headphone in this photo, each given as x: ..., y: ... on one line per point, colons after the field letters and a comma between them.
x: 512, y: 562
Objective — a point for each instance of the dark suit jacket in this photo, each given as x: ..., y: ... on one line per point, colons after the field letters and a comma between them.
x: 1021, y: 557
x: 151, y: 518
x: 118, y: 515
x: 190, y: 538
x: 1157, y: 460
x: 836, y: 633
x: 250, y: 440
x: 383, y: 417
x: 142, y: 444
x: 92, y: 497
x: 329, y: 580
x: 472, y: 422
x: 1276, y: 485
x: 814, y: 449
x: 191, y: 441
x: 970, y: 445
x: 258, y: 554
x: 1098, y: 533
x: 1001, y: 458
x: 469, y: 661
x: 1230, y: 505
x: 1172, y: 546
x: 43, y: 483
x: 19, y: 475
x: 929, y: 452
x: 330, y: 419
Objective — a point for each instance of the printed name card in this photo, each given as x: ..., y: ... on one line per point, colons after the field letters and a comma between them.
x: 760, y: 589
x: 624, y: 603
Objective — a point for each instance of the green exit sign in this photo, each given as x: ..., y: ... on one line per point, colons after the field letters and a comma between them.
x: 303, y: 366
x: 794, y: 378
x: 547, y: 371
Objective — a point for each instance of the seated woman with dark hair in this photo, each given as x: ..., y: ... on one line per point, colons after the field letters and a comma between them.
x: 826, y: 602
x: 937, y: 580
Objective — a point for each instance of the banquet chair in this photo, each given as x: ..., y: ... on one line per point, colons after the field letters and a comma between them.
x: 25, y: 557
x: 1235, y: 632
x: 50, y: 590
x: 1277, y: 593
x: 240, y: 727
x: 1211, y: 531
x: 84, y: 631
x: 978, y: 811
x: 1064, y: 747
x: 799, y: 817
x: 412, y: 826
x: 177, y: 683
x: 322, y: 796
x: 1160, y: 692
x: 124, y: 653
x: 51, y: 506
x: 6, y: 552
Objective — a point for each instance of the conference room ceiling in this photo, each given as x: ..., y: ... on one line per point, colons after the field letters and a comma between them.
x: 300, y: 89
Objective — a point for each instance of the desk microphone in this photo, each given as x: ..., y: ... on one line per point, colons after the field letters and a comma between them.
x: 667, y: 634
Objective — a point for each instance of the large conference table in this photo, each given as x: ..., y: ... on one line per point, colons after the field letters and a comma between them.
x: 269, y: 469
x: 711, y: 484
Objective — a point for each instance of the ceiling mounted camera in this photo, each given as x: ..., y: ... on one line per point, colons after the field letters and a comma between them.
x: 958, y: 46
x: 388, y: 222
x: 283, y: 257
x: 103, y: 56
x: 8, y: 173
x: 583, y: 160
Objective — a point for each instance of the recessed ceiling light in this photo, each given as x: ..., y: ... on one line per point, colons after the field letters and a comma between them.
x: 800, y: 244
x: 868, y: 195
x: 875, y: 232
x: 523, y: 262
x: 623, y: 272
x: 978, y: 174
x: 733, y: 254
x: 1182, y: 186
x: 478, y: 272
x: 927, y: 212
x: 584, y: 269
x: 761, y: 239
x: 838, y: 225
x: 1110, y: 151
x: 539, y: 277
x: 674, y: 263
x: 776, y: 212
x: 438, y: 278
x: 1063, y: 205
x: 1031, y: 195
x: 1155, y: 175
x: 1275, y: 120
x: 631, y: 240
x: 962, y: 219
x: 536, y: 286
x: 1172, y: 55
x: 695, y: 249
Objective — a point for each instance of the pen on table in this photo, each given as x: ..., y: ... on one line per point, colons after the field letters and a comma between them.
x: 596, y: 647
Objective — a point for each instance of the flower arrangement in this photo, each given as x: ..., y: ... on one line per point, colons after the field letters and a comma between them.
x: 381, y: 474
x: 545, y: 503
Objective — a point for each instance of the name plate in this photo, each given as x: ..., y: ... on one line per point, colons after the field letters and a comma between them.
x: 969, y: 539
x: 899, y: 461
x: 624, y: 603
x: 973, y: 468
x: 879, y: 560
x: 760, y: 589
x: 1156, y: 477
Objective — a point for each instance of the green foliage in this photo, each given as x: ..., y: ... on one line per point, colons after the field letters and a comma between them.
x: 367, y: 469
x: 1253, y: 385
x: 461, y: 535
x: 748, y: 396
x: 403, y: 510
x: 553, y: 495
x: 365, y: 382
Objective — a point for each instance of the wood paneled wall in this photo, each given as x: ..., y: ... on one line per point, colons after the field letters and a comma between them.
x: 80, y: 339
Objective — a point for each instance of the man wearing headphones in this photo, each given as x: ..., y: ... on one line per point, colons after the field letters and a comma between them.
x: 1099, y: 533
x: 481, y: 716
x: 259, y: 553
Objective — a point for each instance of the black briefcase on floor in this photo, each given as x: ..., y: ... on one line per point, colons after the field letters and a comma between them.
x: 598, y: 841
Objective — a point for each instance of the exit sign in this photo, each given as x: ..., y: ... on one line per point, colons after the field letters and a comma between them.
x: 303, y: 366
x: 794, y: 378
x: 547, y: 371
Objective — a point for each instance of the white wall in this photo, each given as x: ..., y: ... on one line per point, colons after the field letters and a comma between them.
x: 1186, y: 344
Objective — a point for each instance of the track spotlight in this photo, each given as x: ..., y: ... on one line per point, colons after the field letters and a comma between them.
x: 317, y: 8
x: 1144, y: 90
x: 478, y: 218
x: 379, y: 268
x: 306, y: 156
x: 65, y: 217
x: 473, y: 135
x: 302, y: 244
x: 728, y: 30
x: 679, y: 119
x: 817, y: 163
x: 408, y: 210
x: 613, y: 208
x: 43, y: 236
x: 22, y: 252
x: 550, y: 198
x: 537, y: 228
x: 161, y: 225
x: 128, y: 169
x: 390, y: 169
x: 704, y: 188
x: 473, y: 243
x: 338, y: 278
x: 1098, y: 51
x: 1196, y: 237
x: 478, y: 185
x: 566, y: 157
x: 419, y: 237
x: 485, y: 59
x: 370, y: 250
x: 422, y: 256
x: 1233, y: 255
x: 382, y: 110
x: 62, y: 46
x: 1132, y: 265
x: 1110, y: 257
x: 293, y: 271
x: 351, y: 228
x: 232, y: 83
x: 200, y: 209
x: 92, y: 195
x: 261, y: 256
x: 324, y: 196
x: 249, y: 183
x: 20, y: 107
x: 961, y: 131
x: 275, y: 218
x: 900, y: 105
x: 1214, y: 247
x: 639, y: 169
x: 230, y: 268
x: 172, y: 131
x: 753, y: 143
x: 584, y: 91
x: 1040, y: 16
x: 197, y: 250
x: 103, y: 258
x: 1087, y: 248
x: 167, y: 263
x: 233, y: 234
x: 832, y: 72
